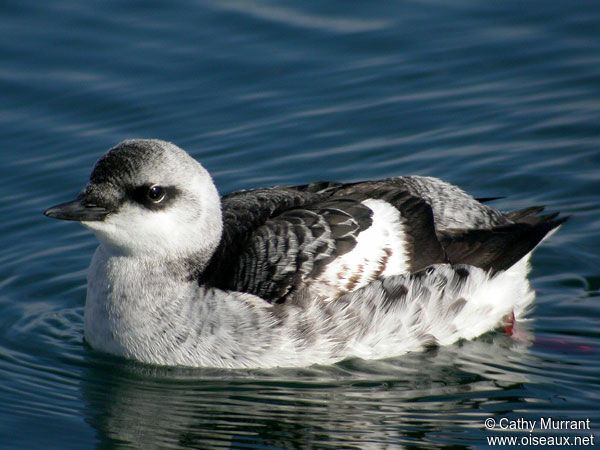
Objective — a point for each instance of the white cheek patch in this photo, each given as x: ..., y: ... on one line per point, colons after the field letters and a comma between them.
x: 137, y: 230
x: 380, y: 251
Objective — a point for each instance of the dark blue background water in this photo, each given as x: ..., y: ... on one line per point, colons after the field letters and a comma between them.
x: 502, y: 98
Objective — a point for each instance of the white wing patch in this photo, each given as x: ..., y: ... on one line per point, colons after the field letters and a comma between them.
x: 381, y: 250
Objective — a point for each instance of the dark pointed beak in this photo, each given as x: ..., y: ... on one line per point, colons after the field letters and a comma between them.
x: 78, y: 210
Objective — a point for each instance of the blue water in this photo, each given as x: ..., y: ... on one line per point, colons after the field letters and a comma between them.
x: 501, y: 98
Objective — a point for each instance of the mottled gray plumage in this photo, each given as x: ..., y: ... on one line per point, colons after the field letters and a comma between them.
x: 291, y: 275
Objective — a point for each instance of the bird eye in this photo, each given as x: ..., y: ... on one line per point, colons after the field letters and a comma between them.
x: 155, y: 193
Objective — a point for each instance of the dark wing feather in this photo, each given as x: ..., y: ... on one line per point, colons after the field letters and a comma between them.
x: 296, y: 246
x: 423, y: 245
x: 243, y: 212
x: 497, y: 248
x: 487, y: 199
x: 527, y: 215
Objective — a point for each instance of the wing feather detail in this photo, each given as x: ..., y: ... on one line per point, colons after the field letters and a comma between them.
x: 330, y: 238
x: 296, y: 246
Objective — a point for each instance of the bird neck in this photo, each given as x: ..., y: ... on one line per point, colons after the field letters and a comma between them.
x: 152, y: 269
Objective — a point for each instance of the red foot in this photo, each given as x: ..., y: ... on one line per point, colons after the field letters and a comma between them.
x: 512, y: 329
x: 509, y: 324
